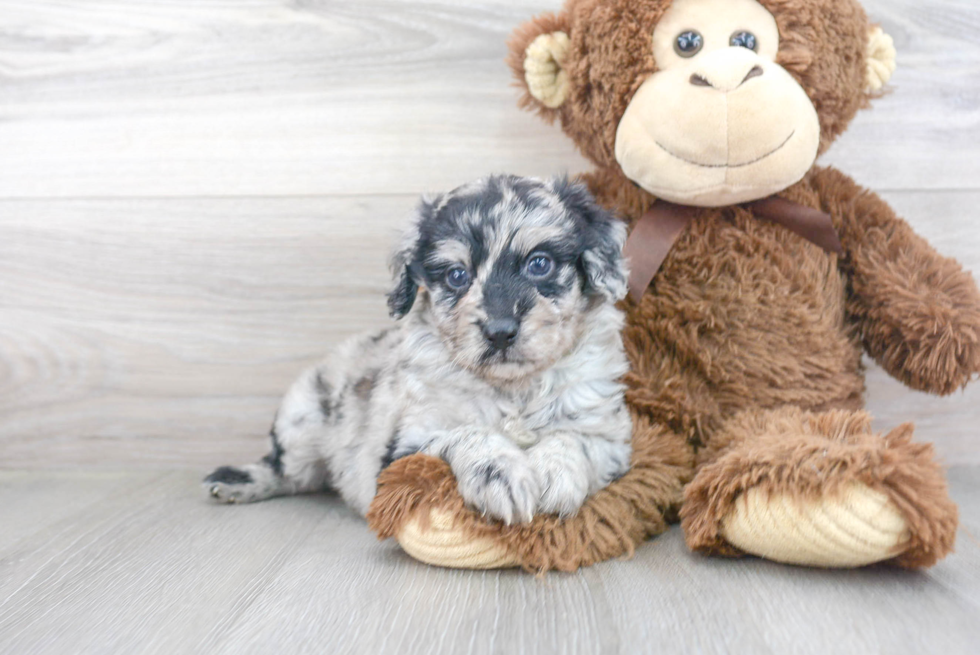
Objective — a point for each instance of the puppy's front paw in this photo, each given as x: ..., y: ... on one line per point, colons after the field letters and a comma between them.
x: 504, y: 488
x: 563, y: 488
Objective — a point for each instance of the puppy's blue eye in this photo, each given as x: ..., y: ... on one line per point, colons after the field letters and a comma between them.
x: 539, y: 265
x: 457, y: 277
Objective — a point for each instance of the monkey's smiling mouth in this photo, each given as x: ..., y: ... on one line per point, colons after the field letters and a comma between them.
x: 742, y: 165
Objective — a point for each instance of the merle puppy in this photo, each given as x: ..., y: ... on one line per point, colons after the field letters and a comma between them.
x: 506, y: 362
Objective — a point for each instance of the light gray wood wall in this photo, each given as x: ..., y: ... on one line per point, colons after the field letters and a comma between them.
x: 196, y: 198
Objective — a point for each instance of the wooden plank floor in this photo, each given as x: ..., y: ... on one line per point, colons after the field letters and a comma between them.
x: 196, y: 199
x: 143, y: 563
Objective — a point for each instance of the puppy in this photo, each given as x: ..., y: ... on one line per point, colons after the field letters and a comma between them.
x: 506, y: 362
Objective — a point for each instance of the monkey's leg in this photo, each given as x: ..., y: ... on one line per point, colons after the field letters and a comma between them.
x: 417, y: 504
x: 819, y: 489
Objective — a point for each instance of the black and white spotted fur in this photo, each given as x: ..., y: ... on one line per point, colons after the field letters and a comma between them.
x: 531, y: 419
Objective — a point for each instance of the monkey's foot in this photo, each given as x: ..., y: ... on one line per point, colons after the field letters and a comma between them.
x: 856, y: 527
x: 820, y: 490
x: 443, y: 543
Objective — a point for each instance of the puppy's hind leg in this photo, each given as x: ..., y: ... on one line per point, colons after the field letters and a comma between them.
x: 268, y: 477
x: 296, y: 463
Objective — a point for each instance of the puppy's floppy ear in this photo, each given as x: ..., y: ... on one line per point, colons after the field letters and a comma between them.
x: 537, y: 52
x: 603, y: 235
x: 404, y: 261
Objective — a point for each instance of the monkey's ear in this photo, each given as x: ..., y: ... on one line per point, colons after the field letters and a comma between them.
x: 881, y: 60
x: 404, y: 264
x: 537, y: 57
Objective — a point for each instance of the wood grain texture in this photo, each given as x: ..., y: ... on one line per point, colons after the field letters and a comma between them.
x: 143, y: 332
x: 162, y: 332
x: 154, y: 567
x: 267, y: 97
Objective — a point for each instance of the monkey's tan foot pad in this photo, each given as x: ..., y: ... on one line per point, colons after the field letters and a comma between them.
x: 442, y: 543
x: 417, y: 504
x: 857, y: 527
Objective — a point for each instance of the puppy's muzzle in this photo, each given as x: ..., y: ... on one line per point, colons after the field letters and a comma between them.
x: 501, y: 333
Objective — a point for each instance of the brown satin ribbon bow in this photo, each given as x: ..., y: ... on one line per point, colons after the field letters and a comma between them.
x: 657, y: 230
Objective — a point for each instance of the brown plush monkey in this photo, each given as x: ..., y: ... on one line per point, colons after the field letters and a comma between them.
x: 746, y: 344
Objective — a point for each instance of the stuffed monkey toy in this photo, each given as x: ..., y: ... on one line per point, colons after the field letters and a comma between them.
x: 758, y: 280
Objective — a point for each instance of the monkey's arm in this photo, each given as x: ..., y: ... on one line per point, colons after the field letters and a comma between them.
x: 918, y: 312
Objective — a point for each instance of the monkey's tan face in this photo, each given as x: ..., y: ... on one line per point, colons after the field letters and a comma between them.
x: 720, y: 122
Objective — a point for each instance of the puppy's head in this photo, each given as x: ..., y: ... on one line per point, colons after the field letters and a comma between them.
x: 507, y: 268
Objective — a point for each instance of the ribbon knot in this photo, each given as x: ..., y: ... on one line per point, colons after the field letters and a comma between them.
x: 655, y: 233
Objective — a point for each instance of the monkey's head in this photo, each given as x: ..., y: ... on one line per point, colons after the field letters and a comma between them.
x: 703, y: 102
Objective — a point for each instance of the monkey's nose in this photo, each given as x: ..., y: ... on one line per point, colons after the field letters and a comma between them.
x: 501, y: 332
x: 700, y: 80
x: 727, y: 69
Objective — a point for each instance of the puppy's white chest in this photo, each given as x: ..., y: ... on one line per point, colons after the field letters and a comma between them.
x: 515, y: 430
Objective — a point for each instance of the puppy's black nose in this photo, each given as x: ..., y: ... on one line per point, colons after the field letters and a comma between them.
x: 501, y: 332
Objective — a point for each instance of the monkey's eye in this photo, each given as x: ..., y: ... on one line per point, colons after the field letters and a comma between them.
x: 457, y: 277
x: 539, y: 265
x: 744, y: 40
x: 688, y: 43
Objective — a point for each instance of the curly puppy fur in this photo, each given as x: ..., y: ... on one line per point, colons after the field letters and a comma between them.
x: 507, y: 364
